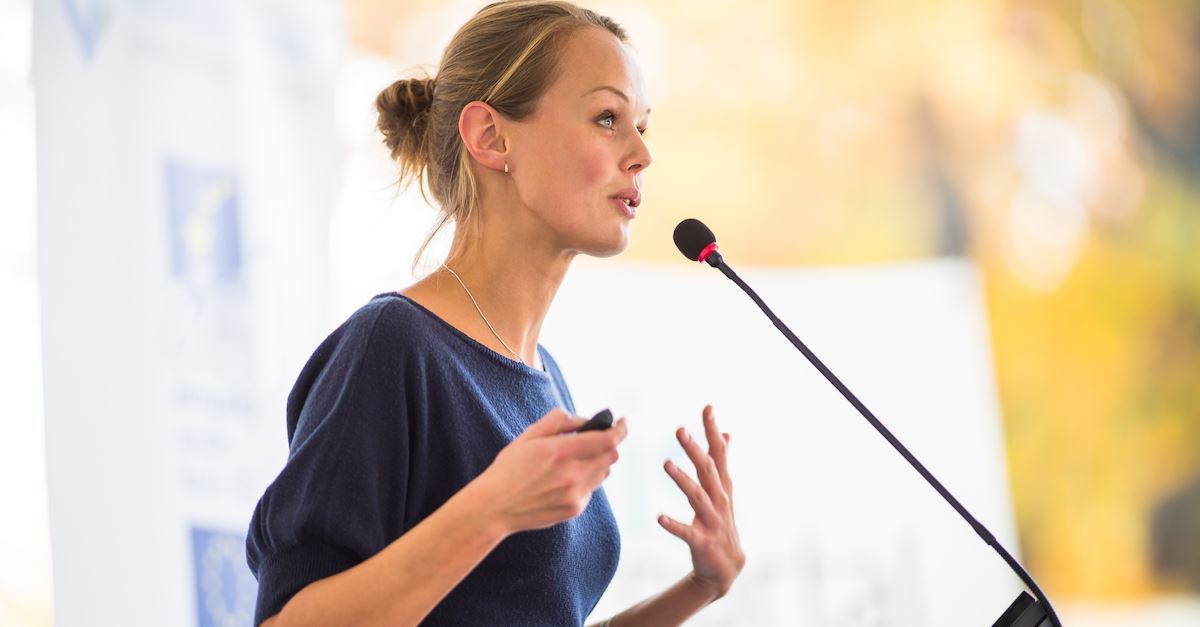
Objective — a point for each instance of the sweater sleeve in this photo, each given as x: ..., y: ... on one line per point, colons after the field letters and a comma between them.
x: 341, y: 494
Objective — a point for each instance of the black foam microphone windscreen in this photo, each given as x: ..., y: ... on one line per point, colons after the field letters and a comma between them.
x: 692, y: 237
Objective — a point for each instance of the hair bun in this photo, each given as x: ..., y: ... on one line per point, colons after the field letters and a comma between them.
x: 403, y: 115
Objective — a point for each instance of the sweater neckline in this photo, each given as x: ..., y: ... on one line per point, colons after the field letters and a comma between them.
x: 486, y: 350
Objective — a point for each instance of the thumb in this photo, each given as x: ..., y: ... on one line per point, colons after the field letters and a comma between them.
x: 555, y: 421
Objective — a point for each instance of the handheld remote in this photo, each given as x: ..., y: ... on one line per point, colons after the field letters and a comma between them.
x: 602, y: 420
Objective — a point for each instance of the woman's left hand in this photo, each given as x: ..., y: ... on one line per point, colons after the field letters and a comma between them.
x: 717, y: 556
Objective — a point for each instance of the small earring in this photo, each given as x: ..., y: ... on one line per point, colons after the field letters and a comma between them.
x: 506, y: 167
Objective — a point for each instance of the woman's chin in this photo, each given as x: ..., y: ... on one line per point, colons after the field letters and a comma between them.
x: 609, y: 247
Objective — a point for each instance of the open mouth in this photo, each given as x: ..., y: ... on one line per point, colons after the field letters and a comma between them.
x: 626, y: 206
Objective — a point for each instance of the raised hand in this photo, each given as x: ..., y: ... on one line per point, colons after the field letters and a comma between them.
x: 717, y: 556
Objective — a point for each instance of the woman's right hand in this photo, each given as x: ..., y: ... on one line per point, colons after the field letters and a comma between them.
x: 547, y: 475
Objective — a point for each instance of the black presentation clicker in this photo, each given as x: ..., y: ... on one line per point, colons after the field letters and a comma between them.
x: 602, y: 420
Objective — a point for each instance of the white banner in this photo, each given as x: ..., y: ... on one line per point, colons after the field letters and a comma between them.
x: 187, y: 165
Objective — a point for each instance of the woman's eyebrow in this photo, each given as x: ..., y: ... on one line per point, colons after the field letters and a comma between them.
x: 613, y: 90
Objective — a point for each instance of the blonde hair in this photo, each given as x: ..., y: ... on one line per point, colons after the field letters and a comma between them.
x: 507, y: 55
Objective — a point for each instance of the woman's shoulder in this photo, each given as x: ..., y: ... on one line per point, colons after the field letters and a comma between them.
x: 372, y: 346
x: 388, y: 328
x: 386, y: 317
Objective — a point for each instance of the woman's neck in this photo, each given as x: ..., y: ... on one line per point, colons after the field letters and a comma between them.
x: 513, y: 289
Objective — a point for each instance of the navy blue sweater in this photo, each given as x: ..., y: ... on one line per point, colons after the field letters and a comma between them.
x: 392, y: 415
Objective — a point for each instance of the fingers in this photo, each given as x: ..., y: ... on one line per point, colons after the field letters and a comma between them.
x: 592, y: 444
x: 706, y: 467
x: 602, y: 462
x: 555, y: 421
x: 598, y: 477
x: 696, y: 496
x: 725, y: 470
x: 717, y: 442
x: 677, y: 529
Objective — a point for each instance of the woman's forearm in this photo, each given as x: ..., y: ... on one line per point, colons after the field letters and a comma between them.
x: 670, y: 607
x: 397, y: 586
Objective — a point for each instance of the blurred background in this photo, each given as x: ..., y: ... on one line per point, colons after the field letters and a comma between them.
x: 1054, y: 145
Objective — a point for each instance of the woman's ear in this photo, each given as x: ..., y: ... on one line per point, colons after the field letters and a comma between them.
x: 479, y: 125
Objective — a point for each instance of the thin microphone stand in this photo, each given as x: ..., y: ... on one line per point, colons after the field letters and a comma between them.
x: 1024, y: 611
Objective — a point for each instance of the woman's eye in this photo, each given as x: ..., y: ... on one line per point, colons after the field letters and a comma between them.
x: 611, y: 119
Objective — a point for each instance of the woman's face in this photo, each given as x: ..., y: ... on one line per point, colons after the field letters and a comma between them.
x: 582, y: 147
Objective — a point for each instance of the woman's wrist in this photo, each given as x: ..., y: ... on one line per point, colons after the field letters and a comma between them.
x: 705, y: 587
x: 487, y: 509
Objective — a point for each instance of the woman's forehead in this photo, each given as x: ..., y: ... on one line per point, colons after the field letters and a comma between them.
x: 595, y: 62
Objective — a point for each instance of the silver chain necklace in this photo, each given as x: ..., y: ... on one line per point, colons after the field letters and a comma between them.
x: 485, y: 320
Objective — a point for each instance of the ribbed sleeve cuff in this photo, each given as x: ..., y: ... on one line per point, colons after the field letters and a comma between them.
x: 284, y: 573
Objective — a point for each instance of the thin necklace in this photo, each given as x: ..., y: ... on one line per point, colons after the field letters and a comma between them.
x: 485, y: 320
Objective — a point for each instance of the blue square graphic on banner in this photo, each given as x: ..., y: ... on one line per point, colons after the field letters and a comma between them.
x: 202, y: 215
x: 225, y: 588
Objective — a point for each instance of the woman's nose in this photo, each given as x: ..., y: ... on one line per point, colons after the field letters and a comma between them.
x: 641, y: 158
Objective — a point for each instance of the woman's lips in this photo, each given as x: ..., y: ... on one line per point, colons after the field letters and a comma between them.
x: 630, y: 212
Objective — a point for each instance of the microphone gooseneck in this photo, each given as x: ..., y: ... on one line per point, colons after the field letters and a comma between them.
x: 697, y: 242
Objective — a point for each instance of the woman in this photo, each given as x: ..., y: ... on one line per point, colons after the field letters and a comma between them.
x: 421, y: 484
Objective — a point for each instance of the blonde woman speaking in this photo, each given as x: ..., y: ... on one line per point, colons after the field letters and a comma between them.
x: 436, y: 473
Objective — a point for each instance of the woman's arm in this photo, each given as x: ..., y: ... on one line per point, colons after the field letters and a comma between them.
x: 456, y: 538
x: 536, y: 481
x: 673, y: 606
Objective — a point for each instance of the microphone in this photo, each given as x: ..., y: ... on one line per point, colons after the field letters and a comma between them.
x: 697, y: 242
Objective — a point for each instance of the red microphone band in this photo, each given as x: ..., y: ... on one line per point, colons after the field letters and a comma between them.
x: 708, y: 250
